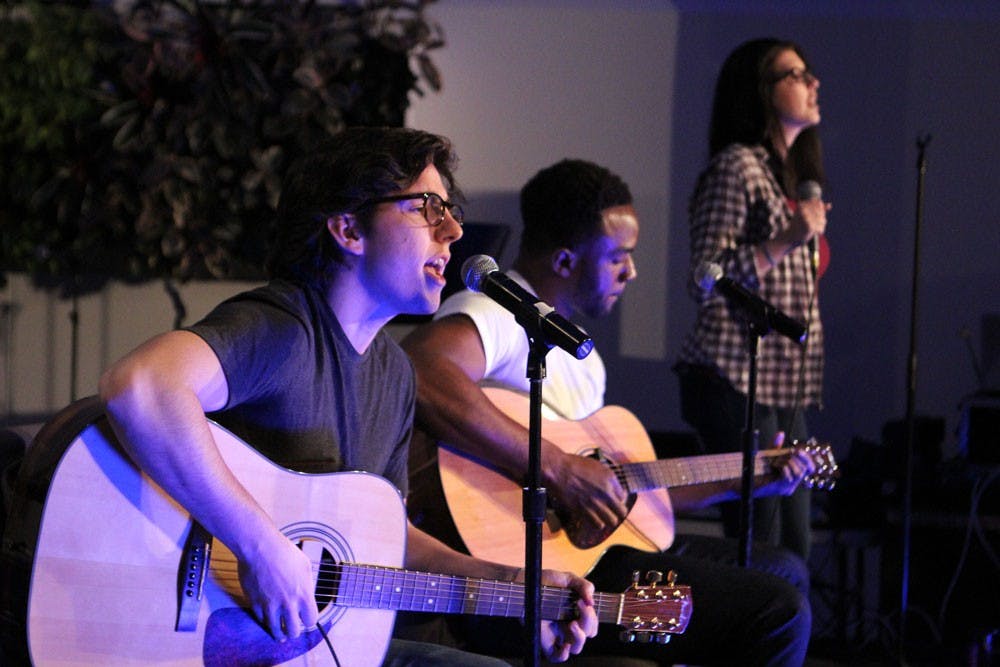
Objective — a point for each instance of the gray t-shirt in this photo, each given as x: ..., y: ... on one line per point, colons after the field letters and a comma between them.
x: 301, y: 394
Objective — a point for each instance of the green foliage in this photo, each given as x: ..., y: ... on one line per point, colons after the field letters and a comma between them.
x: 149, y: 142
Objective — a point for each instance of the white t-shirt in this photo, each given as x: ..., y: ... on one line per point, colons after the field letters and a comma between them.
x: 573, y: 388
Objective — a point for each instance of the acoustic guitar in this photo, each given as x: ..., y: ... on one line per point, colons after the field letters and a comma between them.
x: 122, y: 575
x: 485, y: 504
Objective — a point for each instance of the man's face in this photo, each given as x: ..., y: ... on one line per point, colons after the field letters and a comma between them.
x: 607, y: 264
x: 405, y: 256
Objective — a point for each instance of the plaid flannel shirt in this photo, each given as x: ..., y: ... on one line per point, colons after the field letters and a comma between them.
x: 736, y: 205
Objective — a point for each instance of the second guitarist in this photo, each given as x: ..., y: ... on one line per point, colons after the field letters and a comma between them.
x: 576, y: 254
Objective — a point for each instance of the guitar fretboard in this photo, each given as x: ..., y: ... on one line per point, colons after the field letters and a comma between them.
x: 377, y: 587
x: 667, y: 473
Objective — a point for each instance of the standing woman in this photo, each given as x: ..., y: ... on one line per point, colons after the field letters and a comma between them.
x: 744, y: 217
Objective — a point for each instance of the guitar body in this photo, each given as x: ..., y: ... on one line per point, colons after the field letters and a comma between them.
x: 485, y: 505
x: 102, y: 567
x: 105, y: 579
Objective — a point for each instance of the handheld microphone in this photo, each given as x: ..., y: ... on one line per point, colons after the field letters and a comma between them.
x: 710, y: 276
x: 480, y: 273
x: 805, y: 191
x: 809, y: 190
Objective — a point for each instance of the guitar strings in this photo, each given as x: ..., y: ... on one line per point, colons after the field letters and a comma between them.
x: 643, y: 476
x: 695, y: 469
x: 456, y: 589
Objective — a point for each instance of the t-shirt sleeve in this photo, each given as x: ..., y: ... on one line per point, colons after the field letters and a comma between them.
x: 503, y: 338
x: 258, y: 348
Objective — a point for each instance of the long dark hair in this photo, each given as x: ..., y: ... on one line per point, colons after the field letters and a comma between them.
x: 742, y: 111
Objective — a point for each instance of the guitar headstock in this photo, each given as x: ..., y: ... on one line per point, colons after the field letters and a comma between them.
x: 827, y: 470
x: 651, y: 613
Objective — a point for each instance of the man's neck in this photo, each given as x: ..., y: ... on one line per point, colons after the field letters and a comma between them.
x: 547, y: 286
x: 360, y: 318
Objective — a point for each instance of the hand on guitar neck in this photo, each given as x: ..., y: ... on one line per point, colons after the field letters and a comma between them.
x: 786, y: 469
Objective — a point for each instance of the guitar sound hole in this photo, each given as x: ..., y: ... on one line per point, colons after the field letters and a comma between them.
x: 327, y: 581
x: 327, y: 549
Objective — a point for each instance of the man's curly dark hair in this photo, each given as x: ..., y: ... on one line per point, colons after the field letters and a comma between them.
x: 561, y: 205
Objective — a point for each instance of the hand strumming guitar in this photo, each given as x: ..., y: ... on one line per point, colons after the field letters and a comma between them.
x: 583, y: 490
x: 279, y: 585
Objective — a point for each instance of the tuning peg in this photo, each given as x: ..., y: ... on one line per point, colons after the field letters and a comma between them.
x: 626, y: 636
x: 661, y: 638
x: 654, y: 577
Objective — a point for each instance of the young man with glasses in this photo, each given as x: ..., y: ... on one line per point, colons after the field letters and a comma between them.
x: 301, y: 370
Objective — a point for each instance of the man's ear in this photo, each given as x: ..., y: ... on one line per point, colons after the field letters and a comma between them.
x: 345, y: 231
x: 564, y: 262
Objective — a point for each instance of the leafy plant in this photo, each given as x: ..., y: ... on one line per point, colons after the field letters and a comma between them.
x: 149, y: 141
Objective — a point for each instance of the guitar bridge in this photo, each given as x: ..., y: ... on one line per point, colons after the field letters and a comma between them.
x: 191, y: 577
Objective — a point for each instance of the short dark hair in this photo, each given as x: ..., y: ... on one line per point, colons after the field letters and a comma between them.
x: 561, y: 205
x: 357, y: 164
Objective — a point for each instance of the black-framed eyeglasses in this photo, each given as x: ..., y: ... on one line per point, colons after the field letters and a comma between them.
x: 433, y: 207
x: 796, y: 74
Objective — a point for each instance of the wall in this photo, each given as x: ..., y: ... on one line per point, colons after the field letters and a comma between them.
x: 37, y: 351
x: 628, y: 85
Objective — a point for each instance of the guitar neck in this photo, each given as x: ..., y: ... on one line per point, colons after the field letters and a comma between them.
x: 690, y: 470
x: 376, y: 587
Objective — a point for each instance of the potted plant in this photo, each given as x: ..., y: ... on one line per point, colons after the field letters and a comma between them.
x: 146, y: 140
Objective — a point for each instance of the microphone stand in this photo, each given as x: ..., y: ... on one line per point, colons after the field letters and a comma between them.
x: 751, y: 436
x: 762, y: 318
x: 533, y: 495
x: 911, y: 390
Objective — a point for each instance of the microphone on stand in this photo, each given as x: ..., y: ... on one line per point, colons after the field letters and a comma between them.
x: 808, y: 190
x: 480, y: 273
x: 710, y: 276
